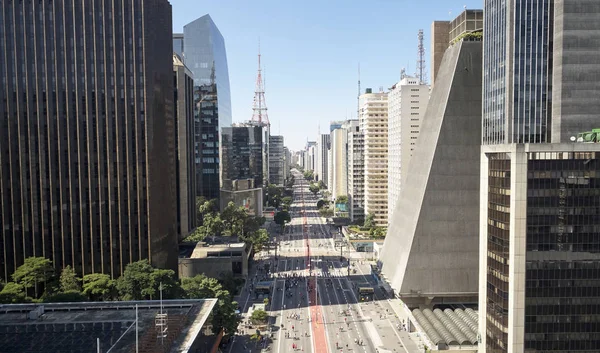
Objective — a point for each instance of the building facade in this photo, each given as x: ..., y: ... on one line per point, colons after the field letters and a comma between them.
x: 242, y: 151
x: 340, y: 158
x: 87, y: 151
x: 322, y: 157
x: 539, y: 196
x: 356, y: 173
x: 185, y: 166
x: 440, y: 37
x: 373, y: 120
x: 204, y: 54
x: 276, y: 160
x: 407, y: 103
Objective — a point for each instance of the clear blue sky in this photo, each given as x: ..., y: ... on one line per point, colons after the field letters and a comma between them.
x: 311, y: 50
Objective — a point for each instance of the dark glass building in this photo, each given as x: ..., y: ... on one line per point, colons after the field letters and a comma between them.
x: 204, y: 54
x: 87, y: 171
x: 243, y: 154
x: 539, y: 263
x: 185, y: 167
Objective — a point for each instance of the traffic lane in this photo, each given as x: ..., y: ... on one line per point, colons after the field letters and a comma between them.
x: 296, y: 316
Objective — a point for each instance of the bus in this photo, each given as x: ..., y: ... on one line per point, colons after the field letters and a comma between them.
x: 365, y: 293
x: 263, y: 289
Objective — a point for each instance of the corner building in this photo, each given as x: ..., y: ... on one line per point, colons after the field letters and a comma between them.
x: 87, y: 152
x: 540, y: 186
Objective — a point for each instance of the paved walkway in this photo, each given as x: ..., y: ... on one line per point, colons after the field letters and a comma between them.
x: 409, y: 340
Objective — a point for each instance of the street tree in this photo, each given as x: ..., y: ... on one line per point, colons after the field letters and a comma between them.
x: 34, y: 271
x: 13, y: 293
x: 281, y: 218
x: 137, y: 282
x: 377, y: 232
x: 343, y: 199
x: 369, y: 221
x: 287, y: 200
x: 314, y: 188
x: 326, y: 212
x: 70, y: 296
x: 69, y: 280
x: 202, y: 287
x: 234, y: 218
x: 99, y: 287
x: 258, y: 239
x: 273, y: 195
x: 165, y: 278
x: 309, y: 175
x: 259, y: 316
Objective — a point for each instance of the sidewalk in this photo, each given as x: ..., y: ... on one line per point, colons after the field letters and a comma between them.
x: 410, y: 341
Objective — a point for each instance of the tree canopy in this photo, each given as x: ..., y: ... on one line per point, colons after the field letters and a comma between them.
x: 99, y: 286
x: 314, y: 188
x: 281, y: 217
x: 35, y: 270
x: 69, y: 280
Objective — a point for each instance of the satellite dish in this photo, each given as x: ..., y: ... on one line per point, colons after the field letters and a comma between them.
x: 573, y: 138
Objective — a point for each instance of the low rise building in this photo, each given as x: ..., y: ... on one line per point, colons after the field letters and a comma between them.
x: 217, y: 259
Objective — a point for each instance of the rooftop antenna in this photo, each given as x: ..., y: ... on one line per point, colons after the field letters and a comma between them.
x: 161, y: 320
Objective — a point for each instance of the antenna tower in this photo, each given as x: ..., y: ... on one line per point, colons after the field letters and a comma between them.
x: 421, y: 60
x: 259, y: 107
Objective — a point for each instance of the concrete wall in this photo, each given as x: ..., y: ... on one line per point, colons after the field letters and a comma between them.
x: 211, y: 266
x: 440, y: 36
x: 576, y: 68
x: 431, y: 248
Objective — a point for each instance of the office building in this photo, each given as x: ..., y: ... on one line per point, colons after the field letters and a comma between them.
x: 242, y: 153
x: 356, y: 173
x: 539, y: 219
x: 321, y: 167
x: 373, y: 121
x: 470, y: 20
x: 440, y: 37
x: 276, y: 160
x: 204, y: 54
x: 407, y: 102
x: 178, y: 44
x: 185, y: 166
x: 339, y: 158
x: 430, y: 253
x: 87, y: 158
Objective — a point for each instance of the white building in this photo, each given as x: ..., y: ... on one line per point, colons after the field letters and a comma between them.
x: 339, y: 158
x: 373, y: 121
x: 407, y: 102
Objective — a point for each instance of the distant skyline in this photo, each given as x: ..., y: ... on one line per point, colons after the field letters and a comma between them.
x: 311, y: 51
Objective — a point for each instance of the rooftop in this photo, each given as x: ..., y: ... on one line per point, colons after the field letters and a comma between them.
x: 450, y: 327
x: 76, y: 327
x: 202, y: 249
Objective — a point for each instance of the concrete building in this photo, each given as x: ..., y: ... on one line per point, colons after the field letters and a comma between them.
x: 373, y: 121
x: 310, y: 155
x: 205, y: 55
x: 87, y: 151
x: 242, y: 151
x: 321, y: 154
x: 329, y: 169
x: 440, y: 37
x: 356, y: 173
x: 430, y: 253
x: 110, y: 326
x: 216, y: 260
x: 185, y: 167
x: 340, y: 154
x: 539, y: 219
x: 445, y: 32
x: 276, y: 160
x: 407, y: 103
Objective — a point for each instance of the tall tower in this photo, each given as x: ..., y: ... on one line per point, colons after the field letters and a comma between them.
x: 259, y: 107
x: 420, y: 73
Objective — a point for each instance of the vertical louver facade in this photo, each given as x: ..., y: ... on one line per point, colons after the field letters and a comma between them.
x: 87, y: 173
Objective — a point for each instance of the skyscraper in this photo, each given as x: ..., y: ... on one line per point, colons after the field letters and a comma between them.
x: 373, y: 120
x: 321, y: 163
x: 87, y: 166
x: 276, y: 160
x: 243, y: 153
x: 539, y: 263
x: 185, y: 166
x: 204, y: 54
x: 407, y: 103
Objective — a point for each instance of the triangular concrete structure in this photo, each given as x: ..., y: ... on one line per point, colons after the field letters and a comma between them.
x: 430, y: 253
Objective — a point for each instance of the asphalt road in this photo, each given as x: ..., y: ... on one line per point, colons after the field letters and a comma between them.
x: 314, y: 306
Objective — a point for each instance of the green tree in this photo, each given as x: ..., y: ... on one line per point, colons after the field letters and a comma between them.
x: 309, y: 175
x: 314, y: 188
x: 137, y: 282
x: 252, y: 224
x: 377, y: 232
x: 201, y: 287
x: 170, y: 287
x: 322, y: 185
x: 234, y: 219
x: 326, y: 212
x: 273, y: 195
x: 212, y: 225
x: 281, y: 218
x: 369, y: 221
x: 258, y: 239
x: 99, y: 287
x: 69, y: 280
x: 321, y: 204
x: 35, y: 270
x: 287, y: 200
x: 13, y: 293
x: 259, y: 316
x: 70, y: 296
x: 342, y: 199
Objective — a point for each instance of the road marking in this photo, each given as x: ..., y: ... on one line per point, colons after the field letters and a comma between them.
x: 281, y: 310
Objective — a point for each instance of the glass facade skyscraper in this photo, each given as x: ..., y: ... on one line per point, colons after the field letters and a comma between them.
x: 87, y: 149
x: 242, y: 151
x: 204, y: 54
x: 540, y: 192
